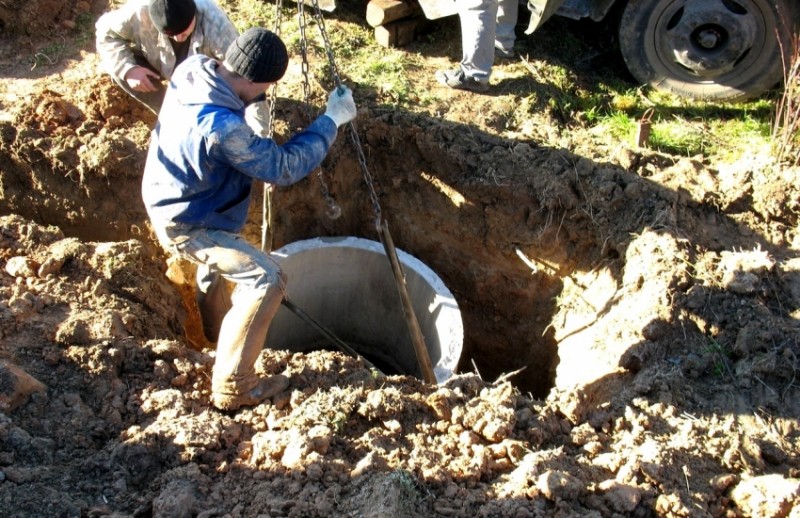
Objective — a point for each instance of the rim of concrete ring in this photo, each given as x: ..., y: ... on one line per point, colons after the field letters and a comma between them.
x: 449, y: 326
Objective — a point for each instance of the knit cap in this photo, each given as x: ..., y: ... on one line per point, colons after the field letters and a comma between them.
x: 258, y: 55
x: 172, y: 16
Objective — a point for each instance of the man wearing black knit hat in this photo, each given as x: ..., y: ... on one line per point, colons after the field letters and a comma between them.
x: 142, y: 42
x: 200, y: 168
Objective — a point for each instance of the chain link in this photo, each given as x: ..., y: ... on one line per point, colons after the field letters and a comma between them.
x: 326, y: 42
x: 381, y: 227
x: 376, y: 207
x: 334, y: 210
x: 301, y: 23
x: 273, y: 94
x: 266, y: 201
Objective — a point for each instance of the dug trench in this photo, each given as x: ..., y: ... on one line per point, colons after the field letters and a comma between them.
x: 597, y: 288
x: 543, y: 249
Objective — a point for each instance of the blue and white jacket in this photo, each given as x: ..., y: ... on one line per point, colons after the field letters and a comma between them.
x: 203, y: 157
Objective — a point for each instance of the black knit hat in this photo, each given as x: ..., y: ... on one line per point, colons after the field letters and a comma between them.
x: 172, y: 16
x: 258, y: 55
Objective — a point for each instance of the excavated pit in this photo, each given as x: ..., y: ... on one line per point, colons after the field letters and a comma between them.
x: 534, y: 243
x: 445, y: 205
x: 474, y: 208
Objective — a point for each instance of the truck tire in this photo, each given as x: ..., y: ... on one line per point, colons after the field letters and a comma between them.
x: 720, y: 50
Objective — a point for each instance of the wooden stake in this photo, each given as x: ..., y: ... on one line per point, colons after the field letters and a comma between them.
x: 417, y: 338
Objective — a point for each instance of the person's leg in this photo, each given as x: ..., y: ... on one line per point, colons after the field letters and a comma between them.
x: 478, y: 18
x: 505, y: 35
x: 243, y: 331
x: 478, y: 23
x: 241, y: 339
x: 213, y: 300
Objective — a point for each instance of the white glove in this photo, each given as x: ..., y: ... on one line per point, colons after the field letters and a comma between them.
x: 341, y: 107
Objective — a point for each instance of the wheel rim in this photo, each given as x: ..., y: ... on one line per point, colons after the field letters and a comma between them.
x: 705, y: 40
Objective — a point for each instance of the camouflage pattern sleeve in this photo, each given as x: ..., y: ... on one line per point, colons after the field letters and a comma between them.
x: 215, y: 29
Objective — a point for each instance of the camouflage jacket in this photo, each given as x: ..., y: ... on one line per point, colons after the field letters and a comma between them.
x: 129, y: 29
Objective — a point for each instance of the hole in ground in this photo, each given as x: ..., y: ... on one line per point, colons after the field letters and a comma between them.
x: 451, y: 207
x: 530, y: 240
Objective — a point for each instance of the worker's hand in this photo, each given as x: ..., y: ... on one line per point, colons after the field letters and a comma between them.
x: 341, y: 107
x: 142, y: 79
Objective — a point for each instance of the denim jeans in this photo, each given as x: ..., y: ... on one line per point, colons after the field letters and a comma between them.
x: 484, y: 25
x: 240, y: 324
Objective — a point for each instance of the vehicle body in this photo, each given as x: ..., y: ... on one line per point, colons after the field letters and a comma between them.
x: 721, y: 50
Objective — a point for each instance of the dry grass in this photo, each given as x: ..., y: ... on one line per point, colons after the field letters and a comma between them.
x: 786, y: 126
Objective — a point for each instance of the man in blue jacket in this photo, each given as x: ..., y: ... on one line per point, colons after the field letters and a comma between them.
x: 200, y: 168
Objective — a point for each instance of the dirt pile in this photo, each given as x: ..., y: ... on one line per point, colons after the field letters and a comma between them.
x: 631, y: 330
x: 123, y: 425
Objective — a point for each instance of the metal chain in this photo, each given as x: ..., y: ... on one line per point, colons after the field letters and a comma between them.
x: 326, y: 42
x: 334, y: 210
x: 376, y: 207
x: 266, y: 200
x: 417, y: 339
x: 273, y: 95
x: 301, y: 23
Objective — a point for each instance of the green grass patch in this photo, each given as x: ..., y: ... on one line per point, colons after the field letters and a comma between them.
x: 619, y: 125
x: 717, y: 132
x: 563, y: 87
x: 678, y: 138
x: 387, y: 74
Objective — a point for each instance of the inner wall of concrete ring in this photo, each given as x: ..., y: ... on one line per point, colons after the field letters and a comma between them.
x: 346, y: 284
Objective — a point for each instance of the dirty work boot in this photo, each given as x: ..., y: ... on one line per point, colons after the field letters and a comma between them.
x: 241, y: 338
x: 265, y: 388
x: 458, y: 80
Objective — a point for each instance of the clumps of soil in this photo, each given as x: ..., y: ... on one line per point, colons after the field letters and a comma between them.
x: 631, y: 333
x: 123, y: 423
x: 72, y: 148
x: 43, y: 17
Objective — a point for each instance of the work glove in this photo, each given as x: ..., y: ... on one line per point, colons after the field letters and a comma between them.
x: 341, y: 107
